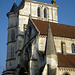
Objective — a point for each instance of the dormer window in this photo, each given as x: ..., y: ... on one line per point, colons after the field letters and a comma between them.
x: 45, y: 13
x: 73, y: 48
x: 38, y: 12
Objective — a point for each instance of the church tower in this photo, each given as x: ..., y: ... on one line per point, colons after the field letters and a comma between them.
x: 11, y: 43
x: 18, y: 19
x: 36, y: 40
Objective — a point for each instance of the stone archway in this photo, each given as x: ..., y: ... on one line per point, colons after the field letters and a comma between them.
x: 22, y: 71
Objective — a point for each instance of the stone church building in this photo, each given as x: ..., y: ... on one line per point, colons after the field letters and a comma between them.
x: 37, y: 44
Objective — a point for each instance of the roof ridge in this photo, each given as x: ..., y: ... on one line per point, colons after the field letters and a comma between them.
x: 54, y: 23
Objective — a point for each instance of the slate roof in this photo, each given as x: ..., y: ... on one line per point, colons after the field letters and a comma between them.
x: 66, y: 60
x: 13, y: 7
x: 60, y: 30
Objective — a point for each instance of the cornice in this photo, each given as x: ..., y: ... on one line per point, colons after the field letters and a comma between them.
x: 10, y: 59
x: 12, y: 27
x: 11, y: 42
x: 66, y: 68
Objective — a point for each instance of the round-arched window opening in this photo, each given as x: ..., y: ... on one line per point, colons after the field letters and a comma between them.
x: 66, y: 73
x: 38, y: 12
x: 45, y: 13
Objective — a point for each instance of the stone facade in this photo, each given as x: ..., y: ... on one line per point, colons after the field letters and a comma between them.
x: 27, y: 48
x: 68, y: 42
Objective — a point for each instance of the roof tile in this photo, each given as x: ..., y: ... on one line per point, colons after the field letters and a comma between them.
x: 66, y: 60
x: 58, y: 29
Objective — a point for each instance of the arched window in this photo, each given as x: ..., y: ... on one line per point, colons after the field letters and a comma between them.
x: 66, y: 73
x: 63, y: 47
x: 38, y: 12
x: 73, y: 48
x: 45, y: 13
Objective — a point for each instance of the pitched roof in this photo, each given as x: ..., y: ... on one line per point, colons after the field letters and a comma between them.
x: 13, y: 7
x: 58, y: 29
x: 66, y: 60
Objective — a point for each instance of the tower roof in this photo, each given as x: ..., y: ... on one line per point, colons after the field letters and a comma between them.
x: 13, y: 7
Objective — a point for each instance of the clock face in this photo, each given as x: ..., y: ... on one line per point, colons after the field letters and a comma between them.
x: 51, y: 61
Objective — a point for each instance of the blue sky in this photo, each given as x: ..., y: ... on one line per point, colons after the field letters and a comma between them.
x: 66, y: 15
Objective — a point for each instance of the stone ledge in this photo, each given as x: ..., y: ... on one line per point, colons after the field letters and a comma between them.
x: 12, y: 27
x: 11, y: 71
x: 11, y: 42
x: 11, y: 59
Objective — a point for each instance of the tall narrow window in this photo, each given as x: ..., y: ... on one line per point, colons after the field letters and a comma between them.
x: 63, y: 47
x: 73, y: 48
x: 45, y: 13
x: 9, y: 33
x: 38, y: 12
x: 12, y: 35
x: 12, y: 52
